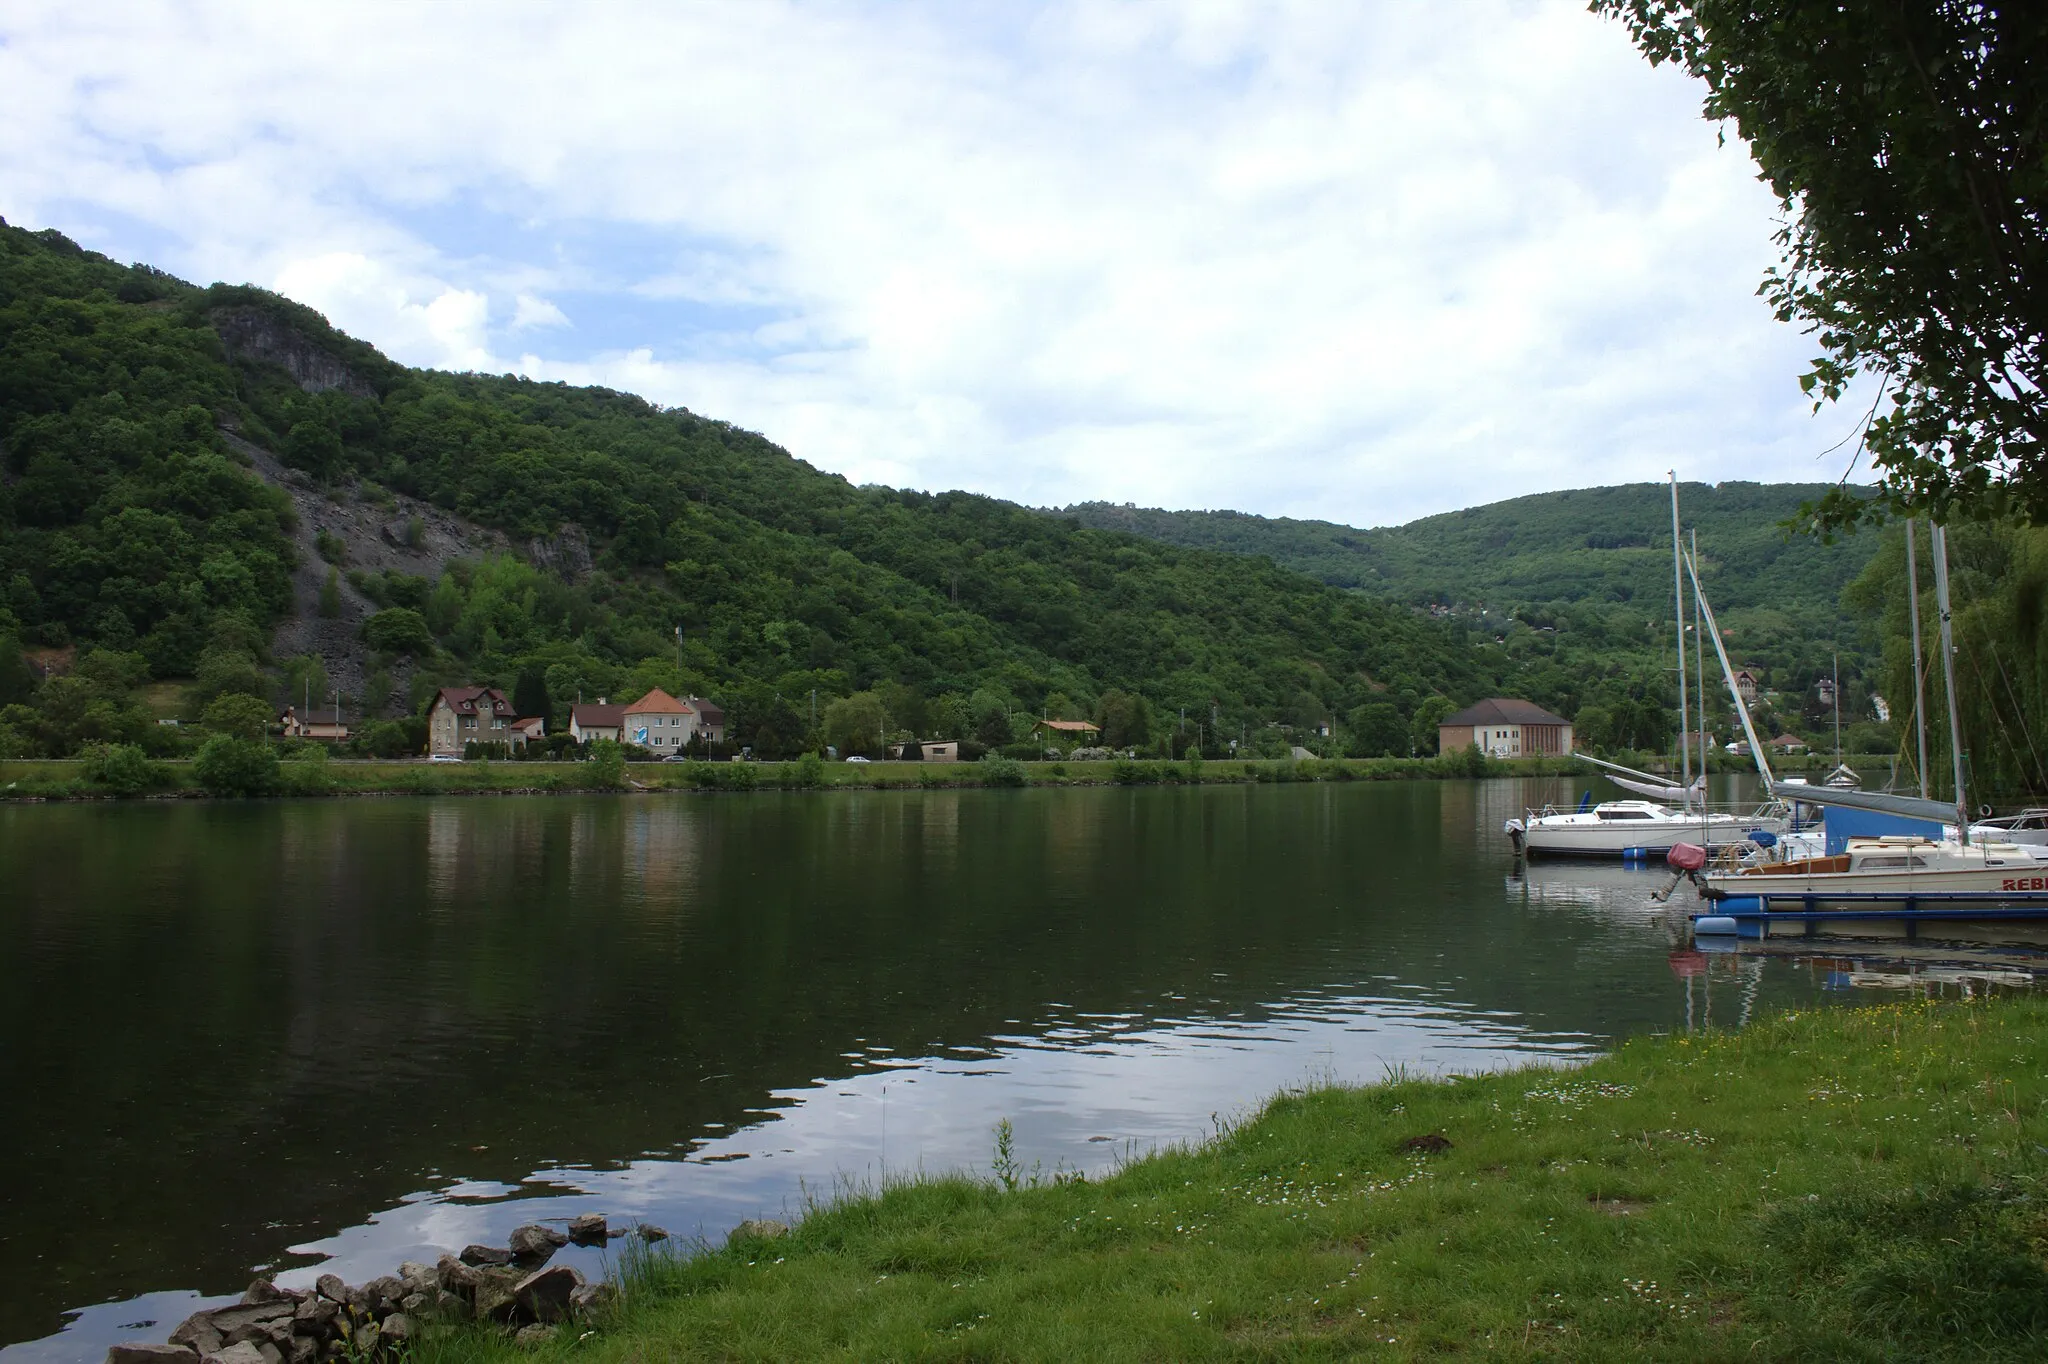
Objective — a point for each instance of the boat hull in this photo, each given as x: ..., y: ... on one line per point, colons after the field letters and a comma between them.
x: 1993, y: 904
x: 1957, y: 921
x: 1553, y: 838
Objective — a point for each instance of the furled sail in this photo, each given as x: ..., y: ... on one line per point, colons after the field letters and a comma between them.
x: 1644, y: 784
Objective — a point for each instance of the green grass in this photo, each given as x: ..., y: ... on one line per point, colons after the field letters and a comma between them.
x: 1862, y: 1184
x: 60, y: 779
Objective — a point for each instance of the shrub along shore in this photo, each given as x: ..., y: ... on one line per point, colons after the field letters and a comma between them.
x: 125, y: 774
x: 1841, y: 1184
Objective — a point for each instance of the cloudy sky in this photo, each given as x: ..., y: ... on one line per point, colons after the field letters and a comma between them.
x: 1347, y: 260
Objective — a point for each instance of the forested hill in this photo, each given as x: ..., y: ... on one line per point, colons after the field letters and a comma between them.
x: 137, y: 413
x: 1576, y: 588
x: 1588, y: 544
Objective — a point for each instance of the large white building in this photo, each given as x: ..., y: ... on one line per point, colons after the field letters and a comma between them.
x: 1505, y: 728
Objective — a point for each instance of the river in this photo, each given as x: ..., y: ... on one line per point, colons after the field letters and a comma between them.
x: 335, y: 1035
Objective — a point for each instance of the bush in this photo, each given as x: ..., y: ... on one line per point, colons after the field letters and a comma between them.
x: 393, y: 738
x: 809, y: 771
x: 123, y: 769
x: 228, y: 766
x: 727, y: 776
x: 399, y: 630
x: 305, y: 772
x: 1000, y: 771
x: 607, y: 765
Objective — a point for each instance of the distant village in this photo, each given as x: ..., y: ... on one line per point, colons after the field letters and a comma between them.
x: 477, y: 721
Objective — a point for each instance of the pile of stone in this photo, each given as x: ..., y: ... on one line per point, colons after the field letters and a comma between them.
x: 512, y: 1286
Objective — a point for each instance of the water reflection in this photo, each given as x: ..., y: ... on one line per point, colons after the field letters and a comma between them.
x: 342, y: 1034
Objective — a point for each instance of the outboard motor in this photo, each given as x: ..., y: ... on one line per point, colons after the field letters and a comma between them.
x: 1684, y: 859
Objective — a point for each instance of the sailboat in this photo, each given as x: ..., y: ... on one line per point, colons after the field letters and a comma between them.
x: 1646, y: 828
x: 1882, y: 883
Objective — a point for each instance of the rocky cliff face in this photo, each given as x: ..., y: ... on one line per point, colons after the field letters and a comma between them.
x: 404, y: 535
x: 393, y: 533
x: 252, y: 334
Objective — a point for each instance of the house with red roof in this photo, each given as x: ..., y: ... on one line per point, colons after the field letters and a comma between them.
x: 468, y: 715
x: 658, y: 723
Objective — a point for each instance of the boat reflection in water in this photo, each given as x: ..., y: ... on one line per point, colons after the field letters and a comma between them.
x: 1729, y: 974
x: 1622, y: 894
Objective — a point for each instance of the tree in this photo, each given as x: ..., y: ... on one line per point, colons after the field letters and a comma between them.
x: 1592, y: 727
x: 988, y: 715
x: 17, y: 678
x: 330, y: 595
x: 530, y: 693
x: 1428, y: 718
x: 1126, y: 720
x: 853, y: 724
x: 314, y: 447
x: 1377, y: 731
x: 399, y: 630
x: 305, y: 683
x: 243, y: 716
x: 1905, y: 143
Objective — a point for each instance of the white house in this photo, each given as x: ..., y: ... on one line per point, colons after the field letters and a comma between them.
x: 588, y: 724
x: 659, y: 723
x: 1505, y: 728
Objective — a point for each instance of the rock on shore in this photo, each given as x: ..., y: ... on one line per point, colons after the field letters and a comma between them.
x: 512, y: 1285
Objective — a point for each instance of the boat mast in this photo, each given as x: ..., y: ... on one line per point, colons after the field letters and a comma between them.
x: 1836, y: 694
x: 1919, y: 678
x: 1948, y: 675
x: 1678, y: 630
x: 1699, y: 671
x: 1756, y: 748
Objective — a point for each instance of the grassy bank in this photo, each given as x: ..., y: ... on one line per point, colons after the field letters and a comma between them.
x: 36, y: 779
x: 1841, y: 1184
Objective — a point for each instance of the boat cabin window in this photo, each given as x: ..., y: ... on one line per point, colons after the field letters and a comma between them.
x: 1624, y: 814
x: 1881, y: 861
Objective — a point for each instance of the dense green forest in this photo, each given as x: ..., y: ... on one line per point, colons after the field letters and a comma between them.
x: 1576, y: 588
x: 147, y: 565
x: 1999, y: 581
x: 135, y: 536
x: 1600, y: 545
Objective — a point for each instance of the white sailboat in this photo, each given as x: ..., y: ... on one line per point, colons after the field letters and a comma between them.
x: 1631, y: 828
x: 1958, y: 883
x: 1646, y: 828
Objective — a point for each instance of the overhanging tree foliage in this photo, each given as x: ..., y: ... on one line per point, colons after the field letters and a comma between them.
x: 1905, y: 142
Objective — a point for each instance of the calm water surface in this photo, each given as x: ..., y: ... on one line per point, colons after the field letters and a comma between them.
x: 336, y: 1035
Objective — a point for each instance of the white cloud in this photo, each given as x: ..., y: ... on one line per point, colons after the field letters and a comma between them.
x: 1295, y: 258
x: 536, y: 312
x: 416, y: 316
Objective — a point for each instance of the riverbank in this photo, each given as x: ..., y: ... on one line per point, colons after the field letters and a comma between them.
x: 64, y: 779
x: 71, y: 779
x: 1856, y: 1184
